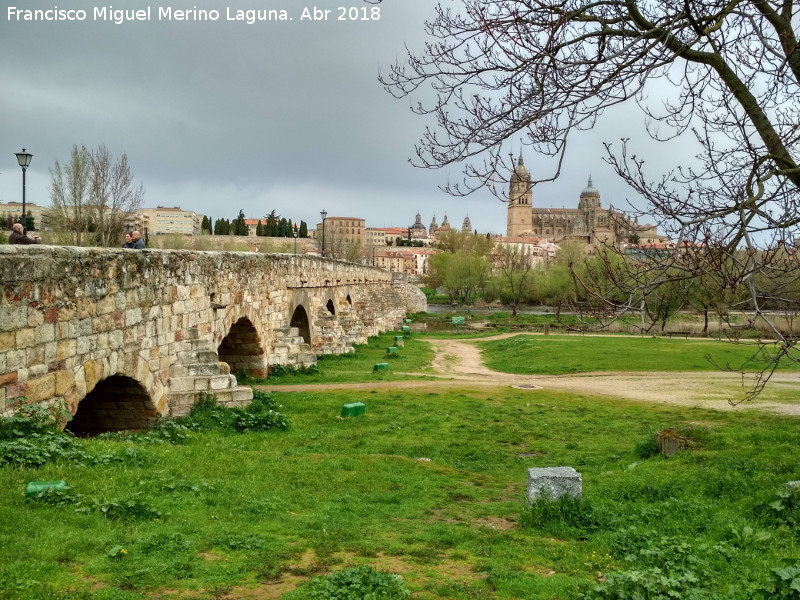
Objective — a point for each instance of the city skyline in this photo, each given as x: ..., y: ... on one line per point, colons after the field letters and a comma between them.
x: 221, y: 116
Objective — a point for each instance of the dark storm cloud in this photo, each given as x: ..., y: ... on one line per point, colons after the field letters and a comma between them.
x: 218, y: 116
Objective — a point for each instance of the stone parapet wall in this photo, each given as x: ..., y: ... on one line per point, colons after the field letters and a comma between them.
x: 72, y: 317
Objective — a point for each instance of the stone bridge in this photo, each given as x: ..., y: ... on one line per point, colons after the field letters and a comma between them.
x: 123, y: 336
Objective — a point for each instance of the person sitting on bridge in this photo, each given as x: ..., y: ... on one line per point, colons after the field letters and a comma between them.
x: 138, y: 242
x: 18, y: 237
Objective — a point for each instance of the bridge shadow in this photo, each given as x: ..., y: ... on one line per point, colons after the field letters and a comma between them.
x: 300, y: 320
x: 117, y: 403
x: 242, y: 350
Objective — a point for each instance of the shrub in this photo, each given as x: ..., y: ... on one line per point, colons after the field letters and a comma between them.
x: 566, y: 515
x: 33, y: 418
x: 784, y: 584
x: 785, y: 509
x: 277, y: 371
x: 660, y: 567
x: 260, y: 415
x: 647, y: 447
x: 357, y: 583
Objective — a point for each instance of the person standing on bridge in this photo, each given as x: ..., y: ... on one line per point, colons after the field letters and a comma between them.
x: 138, y: 242
x: 18, y: 237
x: 128, y: 241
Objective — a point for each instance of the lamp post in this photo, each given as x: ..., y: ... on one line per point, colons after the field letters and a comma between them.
x: 295, y: 239
x: 24, y: 159
x: 323, y: 214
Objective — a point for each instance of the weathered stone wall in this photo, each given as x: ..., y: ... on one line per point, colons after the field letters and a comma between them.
x: 414, y: 298
x: 72, y: 317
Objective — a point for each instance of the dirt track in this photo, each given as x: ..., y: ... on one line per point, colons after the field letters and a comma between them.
x: 458, y: 363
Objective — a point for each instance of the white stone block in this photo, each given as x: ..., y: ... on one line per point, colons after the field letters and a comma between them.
x: 553, y: 482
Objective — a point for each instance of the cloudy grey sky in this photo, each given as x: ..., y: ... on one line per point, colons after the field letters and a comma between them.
x: 221, y: 116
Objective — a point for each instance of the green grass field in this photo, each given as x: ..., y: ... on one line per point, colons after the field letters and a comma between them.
x: 217, y: 514
x: 358, y: 367
x: 559, y: 354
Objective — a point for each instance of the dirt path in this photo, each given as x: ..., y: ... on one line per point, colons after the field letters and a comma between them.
x: 457, y: 363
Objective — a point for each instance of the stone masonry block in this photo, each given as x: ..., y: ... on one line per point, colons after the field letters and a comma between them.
x: 553, y: 482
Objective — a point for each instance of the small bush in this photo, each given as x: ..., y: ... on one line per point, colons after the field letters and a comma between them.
x: 277, y: 371
x: 660, y: 567
x: 133, y: 508
x: 260, y: 415
x: 647, y: 447
x: 784, y: 584
x: 785, y: 509
x: 37, y: 449
x: 357, y: 583
x: 564, y: 516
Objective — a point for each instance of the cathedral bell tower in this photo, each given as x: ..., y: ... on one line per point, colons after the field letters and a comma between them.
x: 519, y: 201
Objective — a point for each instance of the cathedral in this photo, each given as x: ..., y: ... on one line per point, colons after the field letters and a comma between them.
x: 589, y: 223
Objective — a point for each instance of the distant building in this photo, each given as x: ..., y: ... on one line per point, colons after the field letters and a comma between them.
x: 540, y: 250
x: 344, y: 236
x: 589, y: 222
x: 404, y: 259
x: 13, y: 210
x: 164, y: 220
x: 385, y: 236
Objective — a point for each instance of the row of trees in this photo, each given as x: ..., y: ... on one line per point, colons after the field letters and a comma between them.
x: 91, y: 195
x: 273, y: 226
x: 603, y: 285
x: 11, y: 219
x: 472, y: 266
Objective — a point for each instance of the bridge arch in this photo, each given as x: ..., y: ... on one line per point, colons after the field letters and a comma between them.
x: 301, y: 321
x: 241, y: 348
x: 117, y: 403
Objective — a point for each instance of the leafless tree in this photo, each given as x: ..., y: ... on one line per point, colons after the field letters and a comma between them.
x: 70, y: 193
x: 513, y: 265
x: 93, y: 194
x: 725, y: 74
x: 114, y: 195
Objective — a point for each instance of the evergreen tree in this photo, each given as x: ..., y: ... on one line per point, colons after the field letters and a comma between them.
x: 291, y: 229
x: 239, y: 226
x: 259, y: 229
x: 222, y: 227
x: 204, y: 226
x: 271, y: 228
x: 283, y: 228
x: 303, y: 229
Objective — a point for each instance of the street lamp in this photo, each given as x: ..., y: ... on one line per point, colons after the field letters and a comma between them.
x: 24, y: 159
x: 323, y: 214
x: 295, y: 239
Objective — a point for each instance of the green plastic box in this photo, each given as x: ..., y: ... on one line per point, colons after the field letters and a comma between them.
x: 380, y: 367
x: 35, y: 487
x: 391, y: 350
x: 408, y: 321
x: 398, y: 338
x: 353, y: 409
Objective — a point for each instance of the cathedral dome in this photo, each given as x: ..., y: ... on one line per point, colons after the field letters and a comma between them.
x: 590, y: 190
x: 418, y: 229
